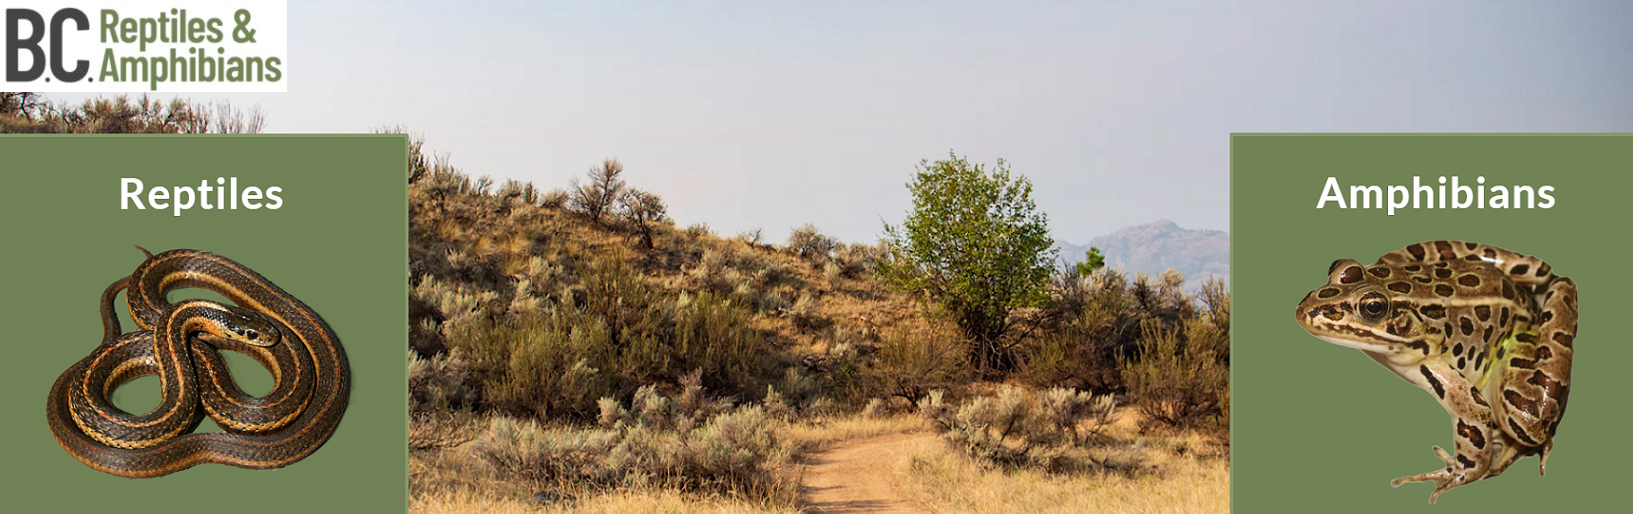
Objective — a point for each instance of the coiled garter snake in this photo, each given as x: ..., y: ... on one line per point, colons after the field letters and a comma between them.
x: 178, y: 342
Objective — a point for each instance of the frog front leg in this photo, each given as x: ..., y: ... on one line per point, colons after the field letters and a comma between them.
x: 1471, y: 419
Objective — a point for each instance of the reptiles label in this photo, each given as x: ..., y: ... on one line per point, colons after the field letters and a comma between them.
x: 224, y: 195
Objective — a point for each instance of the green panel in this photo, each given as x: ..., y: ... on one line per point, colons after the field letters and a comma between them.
x: 1320, y: 427
x: 338, y: 243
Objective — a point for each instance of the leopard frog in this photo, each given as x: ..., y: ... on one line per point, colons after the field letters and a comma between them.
x: 1485, y: 330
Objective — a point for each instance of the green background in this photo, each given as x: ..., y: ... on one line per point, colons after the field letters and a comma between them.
x: 1320, y: 427
x: 338, y: 243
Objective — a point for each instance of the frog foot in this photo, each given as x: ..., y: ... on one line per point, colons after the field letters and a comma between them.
x: 1444, y: 479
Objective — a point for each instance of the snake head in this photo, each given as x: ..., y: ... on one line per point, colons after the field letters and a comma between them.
x: 249, y: 327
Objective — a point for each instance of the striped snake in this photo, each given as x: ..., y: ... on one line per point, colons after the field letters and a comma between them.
x: 179, y: 343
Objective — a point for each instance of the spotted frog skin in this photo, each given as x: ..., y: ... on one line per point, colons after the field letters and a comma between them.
x: 1487, y: 331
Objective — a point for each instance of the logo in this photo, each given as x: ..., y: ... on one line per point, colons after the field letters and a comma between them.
x: 184, y: 46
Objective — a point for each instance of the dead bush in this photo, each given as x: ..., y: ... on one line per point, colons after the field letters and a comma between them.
x: 596, y: 197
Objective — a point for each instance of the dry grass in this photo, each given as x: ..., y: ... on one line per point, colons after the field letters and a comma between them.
x: 815, y: 435
x: 451, y: 501
x: 1165, y: 472
x: 459, y: 480
x: 619, y: 501
x: 1169, y: 472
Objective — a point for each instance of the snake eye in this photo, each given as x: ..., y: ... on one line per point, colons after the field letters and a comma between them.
x: 1373, y: 307
x: 252, y: 334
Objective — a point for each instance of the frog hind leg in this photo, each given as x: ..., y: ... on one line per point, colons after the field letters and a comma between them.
x: 1537, y: 374
x: 1471, y: 416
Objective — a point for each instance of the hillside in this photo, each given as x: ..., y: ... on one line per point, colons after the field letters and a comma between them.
x: 1159, y: 245
x: 486, y: 258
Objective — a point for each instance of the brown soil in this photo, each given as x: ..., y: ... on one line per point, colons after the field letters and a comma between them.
x: 859, y: 476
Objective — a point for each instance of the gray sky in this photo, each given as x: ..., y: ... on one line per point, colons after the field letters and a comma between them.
x: 747, y: 114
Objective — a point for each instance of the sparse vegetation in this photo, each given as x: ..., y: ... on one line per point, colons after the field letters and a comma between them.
x: 32, y: 113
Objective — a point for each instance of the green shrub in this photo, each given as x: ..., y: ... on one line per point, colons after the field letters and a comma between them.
x: 1073, y: 356
x: 654, y: 339
x: 911, y: 362
x: 716, y: 336
x: 846, y: 373
x: 1179, y: 378
x: 554, y: 357
x: 544, y: 366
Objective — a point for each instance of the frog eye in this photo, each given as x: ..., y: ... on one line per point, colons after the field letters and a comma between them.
x: 1373, y: 307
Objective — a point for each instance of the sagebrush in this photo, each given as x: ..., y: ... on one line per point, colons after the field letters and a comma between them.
x: 1020, y: 426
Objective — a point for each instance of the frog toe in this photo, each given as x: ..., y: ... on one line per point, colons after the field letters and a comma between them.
x: 1542, y: 463
x: 1443, y: 478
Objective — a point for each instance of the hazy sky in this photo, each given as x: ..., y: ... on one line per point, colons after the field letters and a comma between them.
x: 750, y: 114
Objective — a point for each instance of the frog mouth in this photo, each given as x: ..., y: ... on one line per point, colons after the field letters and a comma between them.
x: 1362, y: 345
x: 1366, y: 346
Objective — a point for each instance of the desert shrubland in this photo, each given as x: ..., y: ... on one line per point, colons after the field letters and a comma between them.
x: 572, y: 342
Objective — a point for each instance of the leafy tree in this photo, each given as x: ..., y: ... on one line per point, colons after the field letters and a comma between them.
x: 605, y: 186
x: 1092, y: 260
x: 976, y: 245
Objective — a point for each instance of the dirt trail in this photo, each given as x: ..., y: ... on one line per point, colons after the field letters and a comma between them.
x: 859, y: 476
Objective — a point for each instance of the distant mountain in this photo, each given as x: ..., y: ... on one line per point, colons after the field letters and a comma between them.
x: 1159, y: 245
